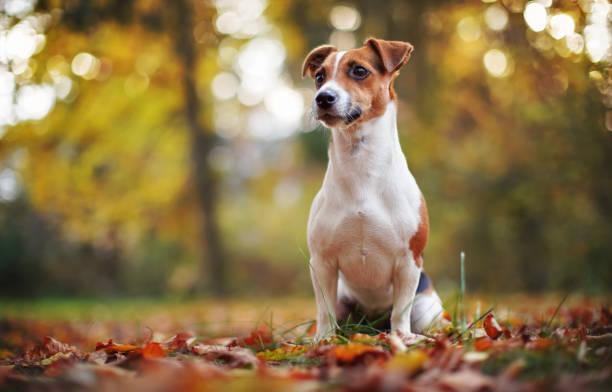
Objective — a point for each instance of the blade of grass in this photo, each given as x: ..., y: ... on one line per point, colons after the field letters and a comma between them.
x: 463, y: 320
x: 473, y: 324
x: 556, y: 311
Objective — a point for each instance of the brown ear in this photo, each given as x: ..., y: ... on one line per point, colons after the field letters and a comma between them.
x: 394, y: 54
x: 315, y: 58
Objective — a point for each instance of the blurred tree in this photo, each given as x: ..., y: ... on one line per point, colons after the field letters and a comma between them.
x: 176, y: 19
x: 202, y: 142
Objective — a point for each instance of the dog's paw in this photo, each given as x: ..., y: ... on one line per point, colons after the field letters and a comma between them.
x: 409, y: 338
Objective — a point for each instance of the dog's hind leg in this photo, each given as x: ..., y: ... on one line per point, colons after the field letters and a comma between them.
x: 427, y: 308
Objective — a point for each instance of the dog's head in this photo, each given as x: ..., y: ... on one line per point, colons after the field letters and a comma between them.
x: 355, y: 85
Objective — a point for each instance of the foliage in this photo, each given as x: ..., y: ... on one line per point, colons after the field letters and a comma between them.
x: 570, y: 348
x: 513, y: 164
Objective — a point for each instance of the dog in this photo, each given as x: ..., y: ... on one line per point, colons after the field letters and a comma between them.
x: 368, y: 224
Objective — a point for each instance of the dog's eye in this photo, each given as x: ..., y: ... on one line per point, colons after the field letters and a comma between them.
x: 319, y: 78
x: 358, y: 72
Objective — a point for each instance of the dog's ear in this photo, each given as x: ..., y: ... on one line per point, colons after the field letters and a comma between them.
x: 315, y: 58
x: 394, y: 54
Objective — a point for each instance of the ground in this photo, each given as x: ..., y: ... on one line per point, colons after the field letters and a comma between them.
x: 513, y: 343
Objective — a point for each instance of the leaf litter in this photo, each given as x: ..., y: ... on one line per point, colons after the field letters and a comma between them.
x: 532, y: 353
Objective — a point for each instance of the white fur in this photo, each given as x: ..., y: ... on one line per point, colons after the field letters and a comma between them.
x: 338, y: 58
x: 426, y: 311
x: 361, y: 222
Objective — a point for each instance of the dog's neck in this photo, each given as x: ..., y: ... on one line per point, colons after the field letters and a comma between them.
x: 367, y: 153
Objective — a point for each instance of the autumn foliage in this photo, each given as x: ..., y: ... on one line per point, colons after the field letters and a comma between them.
x: 570, y: 350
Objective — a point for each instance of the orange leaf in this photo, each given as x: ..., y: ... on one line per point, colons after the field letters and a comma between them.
x: 353, y: 350
x: 153, y: 350
x: 111, y: 347
x: 483, y: 343
x: 491, y: 327
x: 260, y: 338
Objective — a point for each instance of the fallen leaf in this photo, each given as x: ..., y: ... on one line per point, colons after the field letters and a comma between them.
x: 483, y: 344
x: 111, y: 347
x: 153, y: 350
x: 178, y: 341
x: 258, y: 339
x: 410, y: 361
x: 354, y: 351
x: 232, y: 357
x: 491, y: 326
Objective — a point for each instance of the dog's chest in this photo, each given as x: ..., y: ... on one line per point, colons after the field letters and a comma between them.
x: 367, y: 230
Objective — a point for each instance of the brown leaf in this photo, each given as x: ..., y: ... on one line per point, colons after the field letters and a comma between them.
x: 53, y: 346
x: 491, y: 327
x: 258, y: 339
x: 49, y: 348
x: 232, y: 357
x: 59, y: 362
x: 178, y: 341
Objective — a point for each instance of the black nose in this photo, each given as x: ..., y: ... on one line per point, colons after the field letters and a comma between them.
x: 325, y: 99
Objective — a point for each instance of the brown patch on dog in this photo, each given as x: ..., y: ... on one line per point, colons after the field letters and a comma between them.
x: 316, y: 58
x: 371, y: 94
x: 419, y: 239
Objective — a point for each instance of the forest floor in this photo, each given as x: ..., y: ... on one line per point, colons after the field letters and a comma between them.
x: 512, y: 343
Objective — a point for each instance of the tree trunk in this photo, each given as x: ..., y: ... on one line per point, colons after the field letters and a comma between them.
x: 202, y: 142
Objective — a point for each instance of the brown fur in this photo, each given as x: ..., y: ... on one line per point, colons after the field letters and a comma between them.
x: 419, y: 239
x: 315, y: 58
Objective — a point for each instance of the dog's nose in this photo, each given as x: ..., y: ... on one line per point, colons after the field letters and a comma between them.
x: 325, y: 99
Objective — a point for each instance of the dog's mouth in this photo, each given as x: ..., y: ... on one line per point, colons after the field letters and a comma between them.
x: 352, y: 115
x: 347, y: 118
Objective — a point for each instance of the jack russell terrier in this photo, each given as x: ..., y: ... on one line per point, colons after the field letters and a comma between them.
x: 368, y: 224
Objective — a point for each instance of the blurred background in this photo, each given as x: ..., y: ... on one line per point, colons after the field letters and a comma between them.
x: 164, y: 148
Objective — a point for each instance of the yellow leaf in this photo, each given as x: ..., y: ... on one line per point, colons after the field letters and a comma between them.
x: 410, y: 361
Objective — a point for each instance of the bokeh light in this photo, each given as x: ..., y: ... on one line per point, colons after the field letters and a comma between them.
x: 575, y: 43
x: 285, y: 104
x: 342, y: 40
x: 536, y: 16
x: 85, y: 65
x: 34, y: 101
x: 597, y: 32
x: 495, y: 62
x: 22, y: 41
x: 225, y: 85
x: 561, y: 25
x: 496, y: 17
x: 468, y: 29
x: 345, y: 18
x: 9, y: 185
x: 18, y: 7
x: 241, y: 18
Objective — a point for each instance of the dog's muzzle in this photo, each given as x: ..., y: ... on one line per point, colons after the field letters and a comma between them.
x: 325, y: 99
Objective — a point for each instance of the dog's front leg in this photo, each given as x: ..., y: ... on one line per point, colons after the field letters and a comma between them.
x: 405, y: 281
x: 324, y: 277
